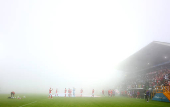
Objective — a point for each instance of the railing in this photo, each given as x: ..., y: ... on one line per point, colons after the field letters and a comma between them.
x: 160, y: 89
x: 166, y: 89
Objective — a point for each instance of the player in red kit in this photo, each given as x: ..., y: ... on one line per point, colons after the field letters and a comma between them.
x: 108, y: 92
x: 138, y: 94
x: 93, y: 93
x: 50, y: 92
x: 81, y: 92
x: 12, y: 94
x: 65, y: 92
x: 56, y: 93
x: 111, y: 92
x: 103, y: 92
x: 69, y: 92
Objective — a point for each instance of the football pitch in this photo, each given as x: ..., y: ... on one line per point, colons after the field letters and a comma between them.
x: 43, y: 101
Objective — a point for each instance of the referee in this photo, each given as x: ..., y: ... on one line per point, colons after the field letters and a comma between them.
x: 147, y: 95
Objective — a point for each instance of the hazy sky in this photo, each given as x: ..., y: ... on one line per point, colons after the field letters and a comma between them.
x: 66, y: 43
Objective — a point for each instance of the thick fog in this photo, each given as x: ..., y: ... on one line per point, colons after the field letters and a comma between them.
x: 74, y: 43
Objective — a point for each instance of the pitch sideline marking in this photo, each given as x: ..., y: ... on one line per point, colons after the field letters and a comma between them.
x: 150, y: 103
x: 146, y: 103
x: 28, y: 104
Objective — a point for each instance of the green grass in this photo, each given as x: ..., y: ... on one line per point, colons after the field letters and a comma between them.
x: 43, y: 101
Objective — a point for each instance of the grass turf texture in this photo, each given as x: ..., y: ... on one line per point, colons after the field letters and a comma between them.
x: 43, y: 101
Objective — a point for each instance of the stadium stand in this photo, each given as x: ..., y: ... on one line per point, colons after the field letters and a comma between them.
x: 147, y: 69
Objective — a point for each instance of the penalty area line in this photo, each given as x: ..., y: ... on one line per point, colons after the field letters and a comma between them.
x: 28, y: 104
